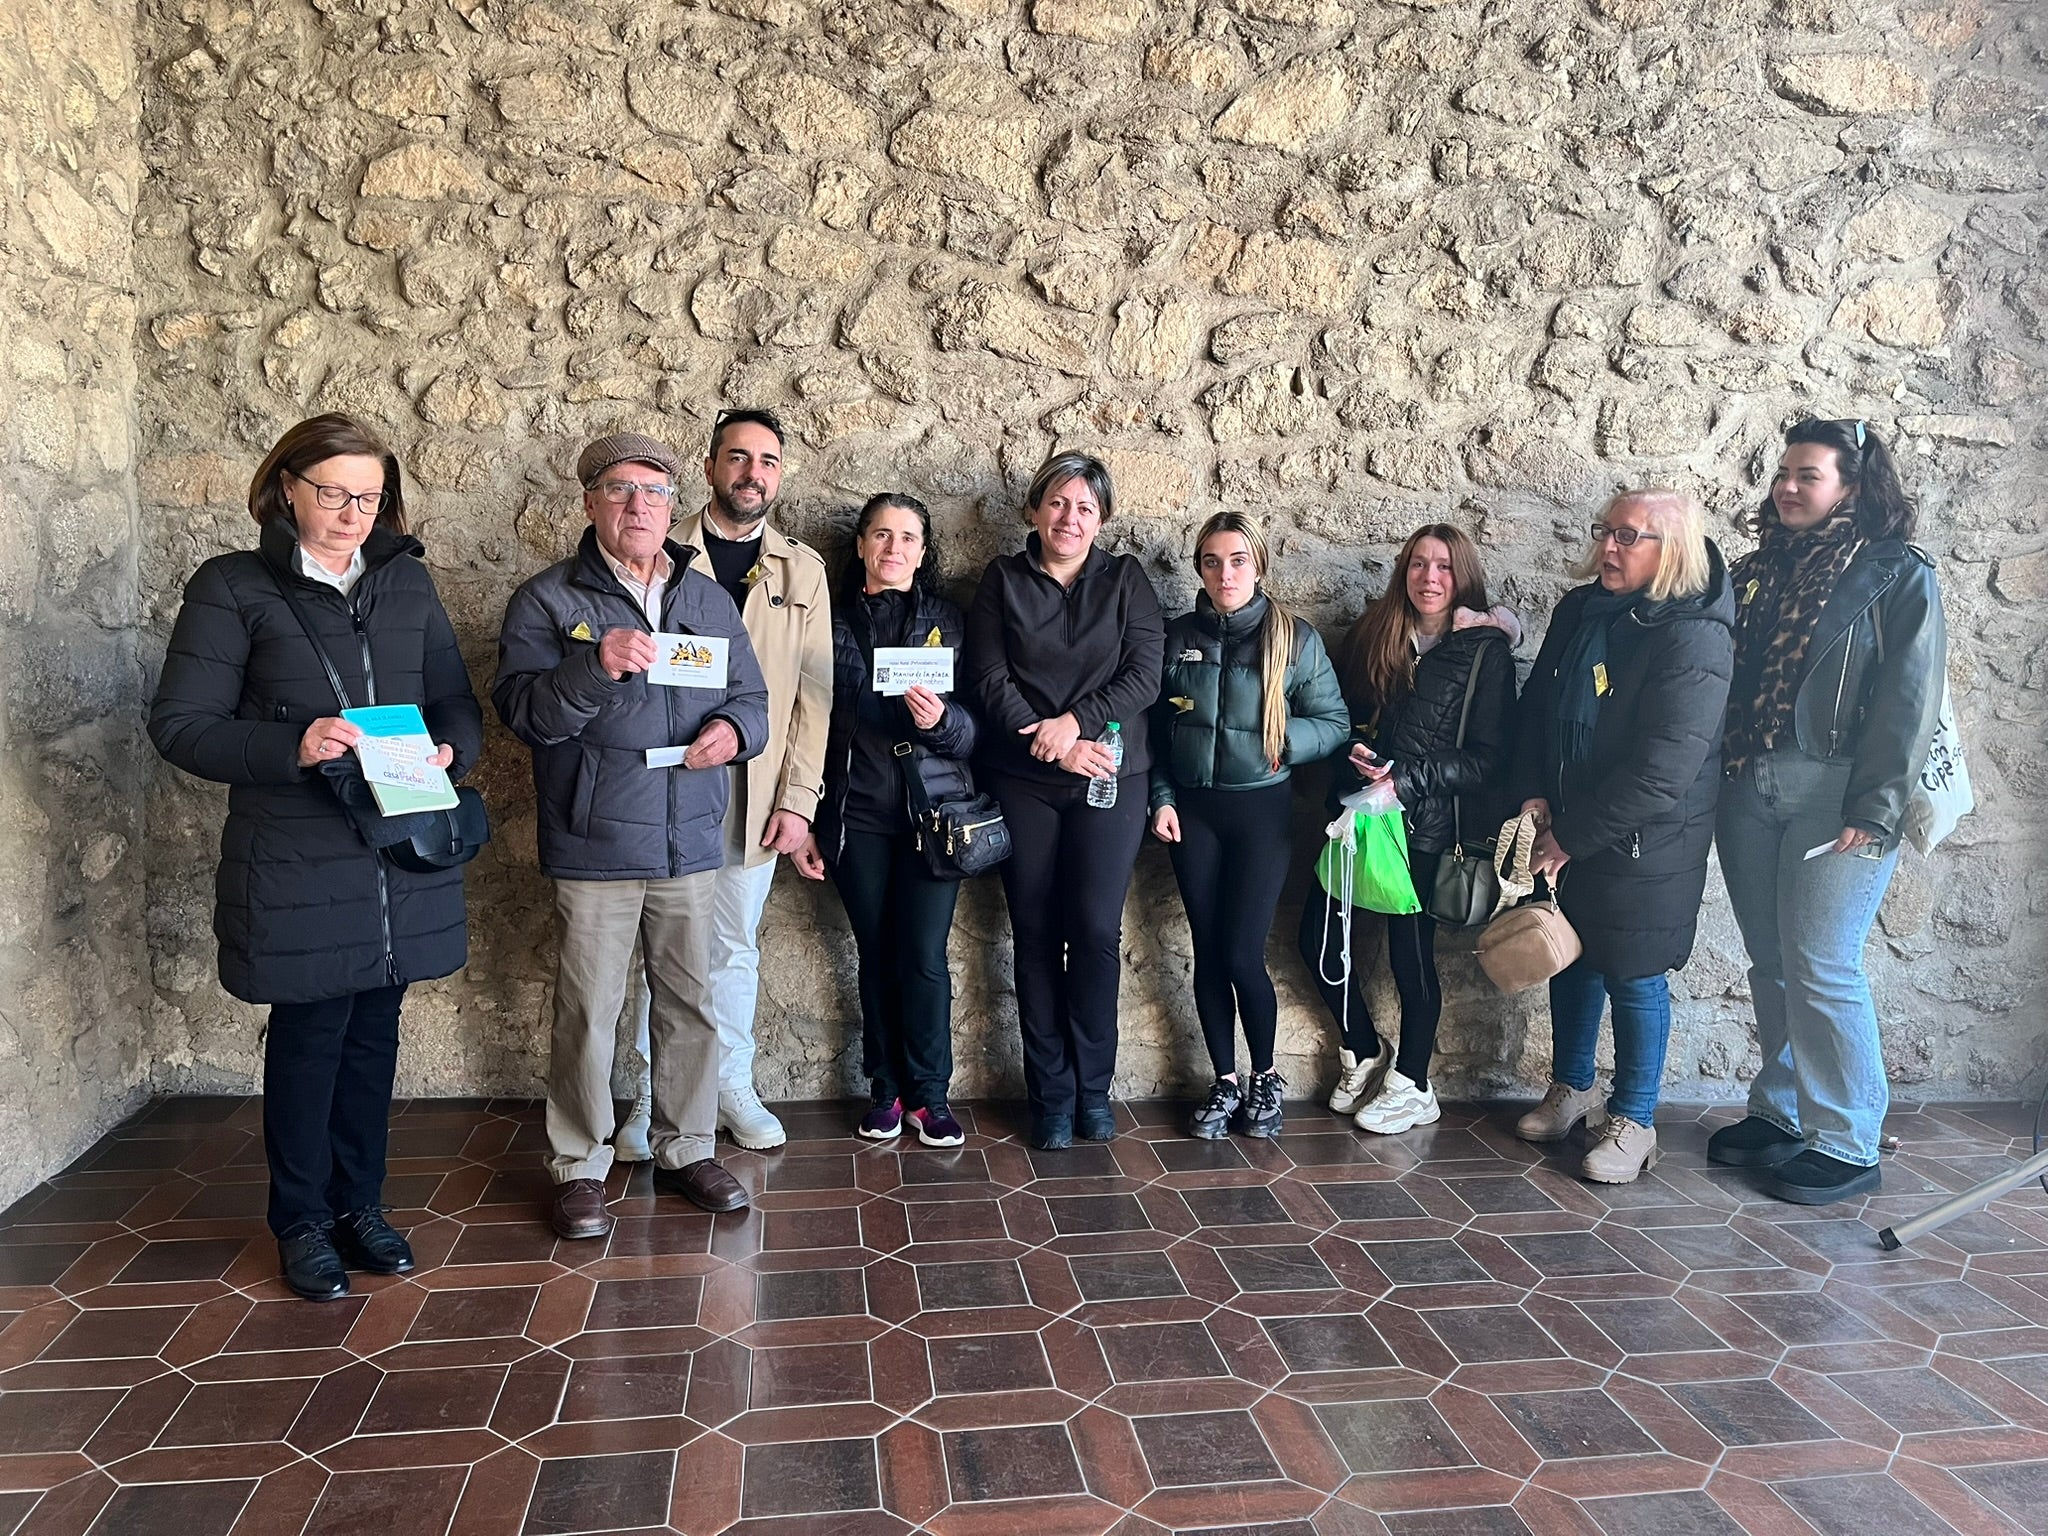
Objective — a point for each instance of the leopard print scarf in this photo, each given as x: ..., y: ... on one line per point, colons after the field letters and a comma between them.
x: 1780, y: 591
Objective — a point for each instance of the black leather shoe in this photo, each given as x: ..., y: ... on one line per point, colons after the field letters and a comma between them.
x: 311, y: 1266
x: 1095, y: 1122
x: 1052, y: 1133
x: 1752, y: 1142
x: 1814, y: 1178
x: 366, y: 1241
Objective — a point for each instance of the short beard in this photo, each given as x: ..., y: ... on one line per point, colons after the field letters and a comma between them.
x: 734, y: 517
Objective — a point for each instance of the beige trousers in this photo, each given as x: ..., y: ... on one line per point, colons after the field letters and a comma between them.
x: 597, y: 922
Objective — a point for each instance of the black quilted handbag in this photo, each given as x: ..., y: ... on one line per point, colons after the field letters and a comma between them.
x: 960, y: 830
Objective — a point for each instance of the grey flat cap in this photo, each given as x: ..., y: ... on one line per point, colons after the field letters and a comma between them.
x: 625, y: 448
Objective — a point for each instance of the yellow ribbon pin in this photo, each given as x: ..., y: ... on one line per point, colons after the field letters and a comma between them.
x: 1601, y: 687
x: 581, y: 632
x: 934, y: 637
x: 1749, y: 592
x: 1181, y: 703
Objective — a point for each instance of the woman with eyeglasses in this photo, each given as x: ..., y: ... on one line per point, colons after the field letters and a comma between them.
x: 310, y: 918
x: 1840, y: 651
x: 1618, y: 754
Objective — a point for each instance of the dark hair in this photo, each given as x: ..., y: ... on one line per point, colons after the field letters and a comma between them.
x: 1070, y: 464
x: 726, y: 419
x: 315, y: 439
x: 1882, y: 508
x: 857, y: 573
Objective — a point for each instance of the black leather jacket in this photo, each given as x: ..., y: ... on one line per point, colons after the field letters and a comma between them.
x: 1874, y: 671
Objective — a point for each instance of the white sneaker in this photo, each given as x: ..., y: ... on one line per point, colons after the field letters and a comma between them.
x: 1623, y: 1149
x: 1562, y: 1108
x: 629, y: 1141
x: 741, y: 1112
x: 1356, y: 1079
x: 1398, y: 1106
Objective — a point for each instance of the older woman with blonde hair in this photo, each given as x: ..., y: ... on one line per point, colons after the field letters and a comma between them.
x: 1618, y: 754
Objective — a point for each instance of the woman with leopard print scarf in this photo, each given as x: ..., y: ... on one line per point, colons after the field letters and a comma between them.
x: 1839, y: 656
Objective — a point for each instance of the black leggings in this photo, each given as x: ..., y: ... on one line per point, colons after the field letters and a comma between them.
x: 901, y: 916
x: 1230, y: 862
x: 1065, y: 882
x: 1411, y: 946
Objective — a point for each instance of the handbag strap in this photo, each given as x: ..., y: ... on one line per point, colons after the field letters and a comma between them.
x: 1464, y: 715
x: 1511, y: 859
x: 319, y: 649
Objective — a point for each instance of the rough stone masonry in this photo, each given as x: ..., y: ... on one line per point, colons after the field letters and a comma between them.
x: 1352, y: 265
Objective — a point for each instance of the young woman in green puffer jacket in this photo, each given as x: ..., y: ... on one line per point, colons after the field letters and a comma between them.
x: 1248, y: 694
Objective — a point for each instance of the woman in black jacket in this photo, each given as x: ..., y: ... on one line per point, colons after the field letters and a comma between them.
x: 1063, y: 647
x: 310, y: 918
x: 1840, y: 652
x: 900, y: 911
x: 1618, y: 754
x: 1247, y: 697
x: 1407, y: 669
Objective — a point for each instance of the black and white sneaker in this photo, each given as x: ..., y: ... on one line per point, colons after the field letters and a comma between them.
x: 1259, y: 1114
x: 1212, y: 1121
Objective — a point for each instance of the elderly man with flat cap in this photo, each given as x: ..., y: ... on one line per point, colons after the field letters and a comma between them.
x: 630, y: 746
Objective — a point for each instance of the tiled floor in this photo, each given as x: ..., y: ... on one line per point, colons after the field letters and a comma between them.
x: 1441, y: 1333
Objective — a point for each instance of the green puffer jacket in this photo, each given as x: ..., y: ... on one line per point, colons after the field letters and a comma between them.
x: 1207, y: 729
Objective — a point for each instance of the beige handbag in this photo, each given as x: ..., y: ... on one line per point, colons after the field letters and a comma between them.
x: 1532, y: 940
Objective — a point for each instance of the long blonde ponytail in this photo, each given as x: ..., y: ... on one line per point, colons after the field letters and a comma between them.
x: 1276, y: 632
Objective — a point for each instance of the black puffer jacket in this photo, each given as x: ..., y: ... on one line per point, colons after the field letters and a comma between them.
x: 1637, y: 816
x: 865, y: 726
x: 304, y: 910
x: 1418, y: 732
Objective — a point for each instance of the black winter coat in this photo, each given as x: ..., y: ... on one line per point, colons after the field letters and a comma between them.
x: 1637, y: 816
x: 304, y: 910
x: 880, y: 723
x: 1446, y: 789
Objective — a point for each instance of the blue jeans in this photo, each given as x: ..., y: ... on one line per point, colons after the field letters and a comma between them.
x: 1804, y: 922
x: 1642, y: 1029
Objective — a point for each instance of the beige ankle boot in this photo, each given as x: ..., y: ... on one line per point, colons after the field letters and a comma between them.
x: 1623, y: 1149
x: 1562, y: 1108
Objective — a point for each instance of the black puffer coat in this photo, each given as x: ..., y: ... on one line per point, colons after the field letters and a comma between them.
x: 1637, y: 816
x: 1418, y: 732
x: 304, y: 909
x: 865, y: 726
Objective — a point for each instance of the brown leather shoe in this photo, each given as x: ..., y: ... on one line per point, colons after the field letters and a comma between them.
x: 578, y: 1209
x: 703, y: 1184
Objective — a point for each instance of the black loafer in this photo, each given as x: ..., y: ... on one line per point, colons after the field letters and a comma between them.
x: 311, y: 1266
x: 1752, y: 1142
x: 1095, y: 1122
x: 1052, y: 1133
x: 366, y: 1241
x: 1814, y: 1178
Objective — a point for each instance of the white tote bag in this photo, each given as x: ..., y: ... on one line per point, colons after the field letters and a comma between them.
x: 1942, y: 796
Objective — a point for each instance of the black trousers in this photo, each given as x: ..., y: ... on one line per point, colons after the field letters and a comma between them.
x: 1230, y: 862
x: 1411, y: 948
x: 327, y: 1071
x: 1065, y: 884
x: 901, y: 917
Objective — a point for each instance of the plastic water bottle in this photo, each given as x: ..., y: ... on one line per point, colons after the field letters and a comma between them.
x: 1102, y: 792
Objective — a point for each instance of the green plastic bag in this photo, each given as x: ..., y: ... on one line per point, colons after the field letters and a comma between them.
x: 1373, y: 860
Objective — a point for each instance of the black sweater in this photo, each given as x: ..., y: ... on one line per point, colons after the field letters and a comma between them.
x: 1036, y: 650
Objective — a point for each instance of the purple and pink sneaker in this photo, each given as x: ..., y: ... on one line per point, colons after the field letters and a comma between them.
x: 936, y: 1126
x: 883, y: 1122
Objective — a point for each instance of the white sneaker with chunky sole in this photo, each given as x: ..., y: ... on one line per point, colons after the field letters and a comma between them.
x: 1398, y: 1106
x: 741, y: 1112
x: 1357, y: 1079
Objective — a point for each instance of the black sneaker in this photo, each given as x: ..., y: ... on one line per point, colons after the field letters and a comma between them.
x: 1095, y: 1120
x: 366, y: 1241
x: 1752, y: 1142
x: 311, y: 1266
x: 1212, y: 1121
x: 1814, y: 1178
x: 1259, y: 1114
x: 1052, y: 1133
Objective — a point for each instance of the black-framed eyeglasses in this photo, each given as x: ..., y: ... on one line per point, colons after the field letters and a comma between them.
x: 619, y: 492
x: 1625, y: 537
x: 333, y: 498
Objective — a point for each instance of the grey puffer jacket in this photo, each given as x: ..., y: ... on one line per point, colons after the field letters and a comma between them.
x: 604, y: 814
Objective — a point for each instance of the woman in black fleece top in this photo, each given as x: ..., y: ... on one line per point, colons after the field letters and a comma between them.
x: 1062, y: 640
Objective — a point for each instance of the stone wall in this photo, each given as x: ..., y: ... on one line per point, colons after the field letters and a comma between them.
x: 1353, y: 265
x: 73, y: 989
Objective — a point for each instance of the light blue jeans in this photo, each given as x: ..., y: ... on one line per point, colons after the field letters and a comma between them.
x: 1642, y: 1031
x: 1804, y: 922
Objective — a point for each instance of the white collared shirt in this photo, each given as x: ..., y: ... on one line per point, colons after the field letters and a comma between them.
x: 648, y: 593
x: 345, y: 582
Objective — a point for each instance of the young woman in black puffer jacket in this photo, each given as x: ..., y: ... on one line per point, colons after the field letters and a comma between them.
x: 901, y: 913
x: 1405, y: 668
x: 1248, y: 695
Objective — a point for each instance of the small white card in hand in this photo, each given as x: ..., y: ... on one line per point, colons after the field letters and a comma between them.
x: 689, y: 661
x: 665, y: 757
x: 1826, y: 847
x: 900, y: 668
